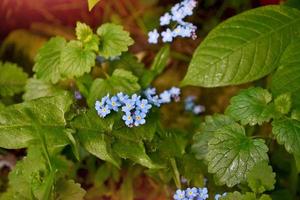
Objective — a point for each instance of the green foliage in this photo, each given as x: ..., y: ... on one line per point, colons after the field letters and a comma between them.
x: 231, y: 154
x: 120, y: 81
x: 247, y: 196
x: 244, y: 48
x: 12, y: 79
x: 283, y: 103
x: 158, y: 65
x: 35, y: 89
x: 37, y: 120
x: 207, y: 131
x: 92, y: 4
x: 48, y: 60
x: 69, y: 190
x: 93, y: 134
x: 75, y: 60
x: 286, y: 79
x: 251, y: 106
x: 261, y: 178
x: 286, y: 131
x: 85, y: 34
x: 113, y: 40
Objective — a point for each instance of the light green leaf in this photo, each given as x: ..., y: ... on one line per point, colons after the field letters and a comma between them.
x: 93, y: 134
x: 85, y: 34
x: 231, y: 154
x: 92, y: 4
x: 23, y: 123
x: 35, y: 89
x: 283, y: 103
x: 120, y: 81
x: 206, y: 132
x: 287, y: 132
x: 244, y: 48
x: 69, y: 190
x: 296, y: 114
x: 158, y: 65
x: 261, y: 178
x: 250, y: 106
x: 48, y: 60
x: 12, y: 79
x: 76, y: 60
x: 248, y: 196
x: 286, y: 79
x: 134, y: 151
x: 113, y: 40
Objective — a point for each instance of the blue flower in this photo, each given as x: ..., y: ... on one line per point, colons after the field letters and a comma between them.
x: 103, y: 111
x: 218, y: 196
x: 128, y: 119
x: 174, y: 91
x: 122, y: 97
x: 165, y: 97
x: 198, y: 109
x: 139, y: 118
x: 113, y: 103
x: 202, y: 194
x: 191, y: 192
x: 153, y: 36
x: 167, y: 36
x: 143, y: 105
x: 150, y: 92
x: 179, y: 195
x: 165, y: 19
x: 129, y: 105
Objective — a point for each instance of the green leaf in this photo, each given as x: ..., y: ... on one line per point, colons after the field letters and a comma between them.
x: 128, y: 62
x: 261, y: 178
x: 251, y: 106
x: 23, y: 123
x: 12, y: 79
x: 48, y: 60
x: 92, y: 4
x: 287, y: 132
x: 85, y: 34
x: 244, y: 48
x: 93, y: 135
x: 231, y: 154
x: 113, y: 40
x: 134, y: 151
x: 286, y: 79
x: 69, y: 190
x: 283, y: 103
x: 248, y: 196
x: 76, y: 60
x: 206, y: 132
x: 120, y: 81
x: 293, y: 3
x: 158, y: 65
x: 35, y: 89
x: 296, y: 114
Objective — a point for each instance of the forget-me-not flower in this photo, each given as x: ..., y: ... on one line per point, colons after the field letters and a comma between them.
x: 179, y: 195
x: 153, y: 36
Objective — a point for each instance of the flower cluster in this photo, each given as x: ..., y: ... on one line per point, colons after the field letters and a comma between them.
x: 183, y: 29
x: 189, y: 105
x: 191, y: 194
x: 135, y: 107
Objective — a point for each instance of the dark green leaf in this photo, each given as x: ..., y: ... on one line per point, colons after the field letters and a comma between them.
x: 12, y: 79
x: 113, y: 40
x: 250, y: 106
x: 286, y: 79
x: 206, y: 132
x: 231, y: 154
x: 287, y: 132
x: 120, y: 81
x: 244, y: 48
x: 93, y: 135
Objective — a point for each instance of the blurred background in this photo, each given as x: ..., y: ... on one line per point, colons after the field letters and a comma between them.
x: 25, y: 25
